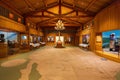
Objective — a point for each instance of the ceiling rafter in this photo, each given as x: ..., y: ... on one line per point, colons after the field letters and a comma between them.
x: 51, y: 25
x: 44, y: 21
x: 74, y: 21
x: 69, y: 21
x: 30, y: 6
x: 76, y: 13
x: 55, y: 15
x: 90, y: 4
x: 78, y: 9
x: 5, y: 2
x: 75, y: 2
x: 51, y: 13
x: 44, y: 2
x: 60, y: 11
x: 64, y: 19
x: 41, y: 9
x: 62, y: 16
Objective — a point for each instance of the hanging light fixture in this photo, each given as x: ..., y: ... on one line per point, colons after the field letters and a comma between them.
x: 59, y: 25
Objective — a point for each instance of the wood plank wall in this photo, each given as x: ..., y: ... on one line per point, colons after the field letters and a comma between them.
x: 66, y: 36
x: 84, y: 32
x: 106, y: 20
x: 109, y: 18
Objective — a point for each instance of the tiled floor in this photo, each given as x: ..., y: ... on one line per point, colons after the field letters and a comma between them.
x: 70, y: 63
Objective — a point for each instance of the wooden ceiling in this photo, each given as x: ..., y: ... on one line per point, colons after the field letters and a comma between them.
x: 44, y: 13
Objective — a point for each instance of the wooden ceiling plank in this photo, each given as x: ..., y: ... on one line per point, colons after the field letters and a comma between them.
x: 40, y: 9
x: 78, y: 9
x: 75, y: 21
x: 70, y: 20
x: 69, y: 12
x: 6, y: 3
x: 44, y: 21
x: 90, y: 4
x: 75, y: 2
x: 51, y: 13
x: 44, y: 2
x: 30, y: 6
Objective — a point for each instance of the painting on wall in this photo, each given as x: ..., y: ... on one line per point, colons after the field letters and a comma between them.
x: 50, y: 39
x: 111, y: 41
x: 8, y: 36
x: 85, y: 39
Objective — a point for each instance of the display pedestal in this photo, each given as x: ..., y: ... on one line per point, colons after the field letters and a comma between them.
x: 59, y: 45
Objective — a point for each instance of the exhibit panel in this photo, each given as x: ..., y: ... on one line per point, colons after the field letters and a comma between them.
x: 24, y: 41
x: 111, y: 42
x: 9, y: 40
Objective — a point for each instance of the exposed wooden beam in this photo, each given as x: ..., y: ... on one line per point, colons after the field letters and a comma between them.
x: 90, y: 4
x: 78, y: 9
x: 76, y: 13
x: 45, y: 21
x: 44, y: 2
x: 55, y: 15
x: 60, y: 11
x: 9, y: 5
x: 51, y: 13
x: 40, y: 9
x: 70, y: 22
x: 42, y: 13
x: 30, y: 6
x: 75, y: 2
x: 75, y: 21
x: 69, y: 12
x: 62, y: 16
x: 52, y: 25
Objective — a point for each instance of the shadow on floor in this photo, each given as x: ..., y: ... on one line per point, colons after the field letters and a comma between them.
x: 34, y: 75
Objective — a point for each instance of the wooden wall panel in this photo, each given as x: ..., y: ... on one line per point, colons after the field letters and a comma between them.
x: 108, y: 19
x: 33, y: 31
x: 92, y: 39
x: 83, y: 32
x: 66, y: 36
x: 40, y: 33
x: 11, y: 25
